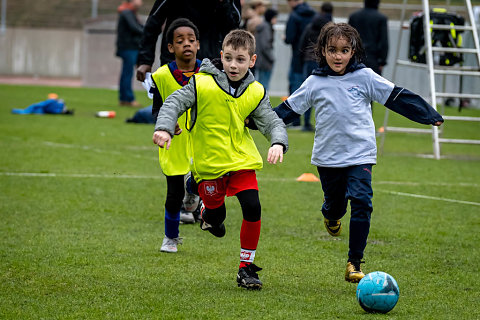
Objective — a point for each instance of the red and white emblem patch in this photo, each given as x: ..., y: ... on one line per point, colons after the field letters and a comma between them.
x: 210, y: 187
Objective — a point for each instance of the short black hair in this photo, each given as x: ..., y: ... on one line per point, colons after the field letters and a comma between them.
x: 327, y: 7
x: 270, y: 14
x: 372, y: 4
x: 178, y: 23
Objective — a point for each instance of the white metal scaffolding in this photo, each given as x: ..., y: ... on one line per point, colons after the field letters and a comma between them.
x: 433, y: 69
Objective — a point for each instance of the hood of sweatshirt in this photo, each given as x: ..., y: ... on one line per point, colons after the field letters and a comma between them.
x: 216, y: 70
x: 320, y: 20
x: 325, y: 70
x: 304, y: 10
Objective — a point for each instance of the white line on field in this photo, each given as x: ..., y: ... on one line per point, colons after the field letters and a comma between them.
x: 90, y: 148
x: 159, y: 176
x: 429, y: 183
x: 414, y: 195
x: 79, y: 175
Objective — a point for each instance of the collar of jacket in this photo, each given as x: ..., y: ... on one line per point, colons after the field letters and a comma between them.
x: 326, y: 71
x: 221, y: 77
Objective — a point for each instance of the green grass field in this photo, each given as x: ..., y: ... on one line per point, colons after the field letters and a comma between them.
x: 81, y: 211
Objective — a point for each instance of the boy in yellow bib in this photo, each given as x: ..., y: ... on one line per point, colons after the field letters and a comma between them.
x: 224, y: 156
x: 182, y: 37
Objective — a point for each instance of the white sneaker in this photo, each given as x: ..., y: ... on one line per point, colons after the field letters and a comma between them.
x: 170, y: 245
x: 190, y: 200
x: 186, y: 217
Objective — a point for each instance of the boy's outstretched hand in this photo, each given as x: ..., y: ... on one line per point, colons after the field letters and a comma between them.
x: 275, y: 153
x: 162, y: 139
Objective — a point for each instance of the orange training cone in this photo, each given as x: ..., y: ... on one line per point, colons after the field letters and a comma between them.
x: 308, y: 177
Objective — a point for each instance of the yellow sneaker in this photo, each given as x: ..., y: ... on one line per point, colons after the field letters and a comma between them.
x: 334, y: 227
x: 354, y: 273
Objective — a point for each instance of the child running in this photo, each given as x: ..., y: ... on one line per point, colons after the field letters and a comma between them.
x: 224, y: 155
x: 344, y: 149
x: 182, y: 37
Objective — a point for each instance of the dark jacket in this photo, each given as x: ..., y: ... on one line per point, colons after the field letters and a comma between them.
x: 213, y: 18
x: 310, y: 35
x: 372, y: 27
x: 298, y: 19
x: 129, y: 29
x: 264, y: 41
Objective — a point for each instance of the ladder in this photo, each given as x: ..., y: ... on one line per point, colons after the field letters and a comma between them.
x: 432, y: 70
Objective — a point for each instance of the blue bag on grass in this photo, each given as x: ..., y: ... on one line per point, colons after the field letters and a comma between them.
x: 50, y: 106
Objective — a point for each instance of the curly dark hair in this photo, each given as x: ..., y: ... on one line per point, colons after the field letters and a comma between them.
x: 332, y: 31
x: 178, y: 23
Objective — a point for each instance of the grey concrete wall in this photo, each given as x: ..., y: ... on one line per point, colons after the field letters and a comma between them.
x: 100, y: 67
x: 40, y: 52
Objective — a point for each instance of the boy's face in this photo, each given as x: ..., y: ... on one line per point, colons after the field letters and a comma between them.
x: 338, y: 54
x: 185, y: 44
x: 236, y: 62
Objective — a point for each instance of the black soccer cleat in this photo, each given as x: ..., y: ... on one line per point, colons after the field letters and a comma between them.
x: 218, y: 230
x: 247, y: 277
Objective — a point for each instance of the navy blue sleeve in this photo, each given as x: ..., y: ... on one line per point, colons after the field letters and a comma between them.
x: 285, y: 112
x: 157, y: 103
x: 412, y: 106
x: 290, y: 30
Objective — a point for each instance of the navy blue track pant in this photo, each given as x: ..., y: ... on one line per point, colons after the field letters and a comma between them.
x: 355, y: 184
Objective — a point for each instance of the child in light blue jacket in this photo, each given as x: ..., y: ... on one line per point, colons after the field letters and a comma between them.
x: 341, y: 91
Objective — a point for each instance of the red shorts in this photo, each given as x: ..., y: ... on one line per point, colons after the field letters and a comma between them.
x: 213, y: 192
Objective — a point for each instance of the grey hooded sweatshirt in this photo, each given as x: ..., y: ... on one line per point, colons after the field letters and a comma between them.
x: 266, y: 120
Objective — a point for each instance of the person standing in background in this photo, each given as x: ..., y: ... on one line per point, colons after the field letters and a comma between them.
x: 259, y: 7
x: 372, y: 27
x: 307, y: 45
x: 264, y: 40
x: 213, y: 18
x: 301, y: 15
x: 129, y: 33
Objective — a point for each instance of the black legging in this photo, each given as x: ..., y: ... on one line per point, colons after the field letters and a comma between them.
x: 175, y: 193
x: 251, y: 208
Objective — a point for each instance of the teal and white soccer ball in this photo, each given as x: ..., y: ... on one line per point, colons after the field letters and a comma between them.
x: 377, y: 292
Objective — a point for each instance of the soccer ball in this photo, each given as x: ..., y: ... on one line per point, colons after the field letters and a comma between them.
x: 377, y: 292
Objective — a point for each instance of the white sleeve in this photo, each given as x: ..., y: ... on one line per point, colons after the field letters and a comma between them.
x: 380, y: 88
x: 299, y: 101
